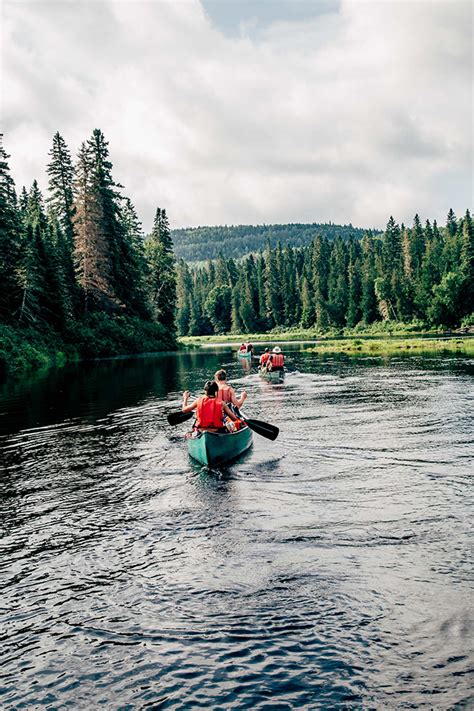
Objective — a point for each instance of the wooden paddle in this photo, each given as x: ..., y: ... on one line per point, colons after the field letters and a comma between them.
x: 265, y: 429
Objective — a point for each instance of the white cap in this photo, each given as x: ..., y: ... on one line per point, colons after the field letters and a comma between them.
x: 277, y: 349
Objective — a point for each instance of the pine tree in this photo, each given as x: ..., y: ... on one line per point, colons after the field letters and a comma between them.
x: 162, y: 273
x: 451, y: 223
x: 320, y: 271
x: 184, y: 295
x: 467, y: 265
x: 368, y: 298
x: 307, y: 306
x: 93, y: 262
x: 61, y: 176
x: 354, y: 312
x: 10, y: 241
x: 337, y: 283
x: 274, y: 311
x: 134, y: 266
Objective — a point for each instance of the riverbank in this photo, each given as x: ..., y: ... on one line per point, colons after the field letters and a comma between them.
x: 385, y: 331
x: 28, y: 350
x: 391, y: 346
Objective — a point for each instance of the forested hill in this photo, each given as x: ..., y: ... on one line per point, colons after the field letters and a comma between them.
x: 198, y: 244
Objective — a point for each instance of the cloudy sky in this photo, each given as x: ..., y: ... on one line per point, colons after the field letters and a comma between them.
x: 251, y: 111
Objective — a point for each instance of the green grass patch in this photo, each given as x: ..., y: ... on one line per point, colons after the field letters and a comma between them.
x: 391, y: 346
x: 387, y: 329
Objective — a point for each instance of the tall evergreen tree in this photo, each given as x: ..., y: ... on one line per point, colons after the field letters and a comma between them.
x: 61, y: 177
x: 368, y: 299
x: 320, y: 273
x: 10, y: 241
x: 273, y: 289
x: 162, y: 273
x: 467, y: 264
x: 92, y: 254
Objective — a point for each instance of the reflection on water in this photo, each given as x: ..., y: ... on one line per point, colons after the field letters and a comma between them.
x: 328, y: 569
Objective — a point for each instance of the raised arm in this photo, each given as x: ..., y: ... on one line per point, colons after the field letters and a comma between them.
x: 185, y: 407
x: 238, y: 401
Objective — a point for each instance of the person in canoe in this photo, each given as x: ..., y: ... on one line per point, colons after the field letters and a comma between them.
x: 210, y: 411
x: 264, y: 358
x: 276, y: 360
x: 226, y: 392
x: 243, y: 348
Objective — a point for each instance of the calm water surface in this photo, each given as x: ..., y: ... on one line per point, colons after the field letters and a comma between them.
x: 327, y: 570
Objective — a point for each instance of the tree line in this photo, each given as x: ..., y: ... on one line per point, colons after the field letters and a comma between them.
x: 79, y: 252
x: 198, y: 244
x: 424, y: 272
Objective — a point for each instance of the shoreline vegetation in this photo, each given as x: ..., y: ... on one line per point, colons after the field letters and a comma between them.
x: 79, y: 278
x: 379, y: 330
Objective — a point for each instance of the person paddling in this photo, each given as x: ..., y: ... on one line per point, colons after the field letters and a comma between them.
x: 264, y: 358
x: 276, y: 360
x: 209, y: 409
x: 226, y: 392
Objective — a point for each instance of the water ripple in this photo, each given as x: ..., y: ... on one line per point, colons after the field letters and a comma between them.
x: 328, y: 569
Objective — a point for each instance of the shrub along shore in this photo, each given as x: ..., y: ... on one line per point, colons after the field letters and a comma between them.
x: 27, y: 350
x: 381, y: 330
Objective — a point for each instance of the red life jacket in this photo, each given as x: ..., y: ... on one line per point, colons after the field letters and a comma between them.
x: 225, y: 394
x: 277, y: 360
x: 209, y: 413
x: 264, y: 358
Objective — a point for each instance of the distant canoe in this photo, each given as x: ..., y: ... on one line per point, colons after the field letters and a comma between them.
x: 241, y: 354
x: 216, y: 448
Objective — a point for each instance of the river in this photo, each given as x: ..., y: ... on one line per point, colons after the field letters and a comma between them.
x: 329, y: 569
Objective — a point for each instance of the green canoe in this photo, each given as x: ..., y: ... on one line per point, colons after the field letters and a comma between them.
x: 215, y: 448
x: 240, y: 354
x: 275, y: 376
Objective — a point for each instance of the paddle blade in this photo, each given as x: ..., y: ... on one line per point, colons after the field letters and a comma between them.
x: 175, y: 418
x: 265, y: 429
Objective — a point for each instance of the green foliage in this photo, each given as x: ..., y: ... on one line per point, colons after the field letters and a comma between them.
x: 338, y: 284
x: 162, y: 271
x: 74, y: 280
x: 218, y: 308
x: 198, y: 244
x: 100, y: 335
x: 445, y: 307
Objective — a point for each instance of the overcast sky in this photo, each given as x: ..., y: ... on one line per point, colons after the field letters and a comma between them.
x: 251, y: 111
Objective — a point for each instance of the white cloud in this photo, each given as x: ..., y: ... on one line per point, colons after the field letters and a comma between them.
x: 349, y: 116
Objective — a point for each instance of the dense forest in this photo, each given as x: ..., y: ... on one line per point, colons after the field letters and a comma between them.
x: 423, y: 273
x: 77, y: 276
x: 199, y: 244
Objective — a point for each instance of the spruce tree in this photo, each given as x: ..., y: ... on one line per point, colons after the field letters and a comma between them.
x: 354, y: 312
x: 273, y: 289
x: 92, y: 254
x: 467, y: 265
x: 319, y: 256
x: 184, y: 296
x: 10, y: 241
x: 161, y: 271
x: 134, y: 268
x: 368, y: 298
x: 61, y: 176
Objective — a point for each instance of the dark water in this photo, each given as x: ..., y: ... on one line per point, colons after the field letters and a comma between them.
x: 327, y: 570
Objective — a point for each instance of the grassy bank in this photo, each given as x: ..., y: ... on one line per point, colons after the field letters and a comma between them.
x: 27, y: 350
x: 386, y: 329
x: 392, y: 346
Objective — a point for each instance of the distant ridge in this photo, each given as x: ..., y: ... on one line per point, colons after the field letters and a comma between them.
x: 196, y: 244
